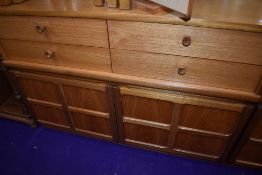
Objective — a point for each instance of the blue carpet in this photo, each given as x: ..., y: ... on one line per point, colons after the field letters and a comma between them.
x: 42, y: 151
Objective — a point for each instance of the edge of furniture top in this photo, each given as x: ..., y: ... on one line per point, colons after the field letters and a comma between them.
x: 241, y: 15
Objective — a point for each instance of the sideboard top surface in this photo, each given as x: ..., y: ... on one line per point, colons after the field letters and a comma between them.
x: 242, y: 15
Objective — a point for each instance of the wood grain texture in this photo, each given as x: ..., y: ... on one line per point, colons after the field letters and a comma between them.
x: 146, y: 134
x: 244, y: 14
x: 112, y: 3
x: 138, y: 81
x: 205, y: 43
x: 40, y: 90
x: 147, y: 109
x: 86, y: 98
x: 98, y: 2
x: 257, y: 130
x: 53, y: 116
x: 92, y: 58
x: 93, y: 124
x: 209, y: 119
x: 199, y: 144
x: 183, y: 98
x: 58, y: 30
x: 125, y: 4
x: 251, y: 154
x: 198, y: 71
x: 248, y: 149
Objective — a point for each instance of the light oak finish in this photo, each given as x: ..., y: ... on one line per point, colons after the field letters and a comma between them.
x: 234, y: 14
x: 112, y: 3
x: 138, y: 81
x: 198, y: 71
x: 98, y: 2
x: 92, y: 58
x: 207, y: 43
x: 125, y: 4
x: 87, y: 32
x: 183, y: 99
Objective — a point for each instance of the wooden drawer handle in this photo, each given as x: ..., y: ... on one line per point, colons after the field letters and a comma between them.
x: 181, y: 71
x: 186, y: 41
x: 49, y: 54
x: 40, y: 28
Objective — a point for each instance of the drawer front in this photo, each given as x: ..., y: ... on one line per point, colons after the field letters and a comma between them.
x: 187, y: 70
x: 58, y: 54
x: 201, y: 42
x: 88, y: 32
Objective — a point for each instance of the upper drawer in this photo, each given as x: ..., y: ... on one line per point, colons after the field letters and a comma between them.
x: 93, y: 58
x: 201, y: 42
x: 198, y: 71
x: 88, y: 32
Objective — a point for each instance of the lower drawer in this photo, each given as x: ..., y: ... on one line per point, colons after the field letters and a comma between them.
x: 92, y: 58
x: 196, y: 71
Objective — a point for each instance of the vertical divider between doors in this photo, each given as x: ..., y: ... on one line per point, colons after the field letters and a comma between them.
x: 176, y: 113
x: 65, y: 106
x: 112, y: 112
x: 119, y: 114
x: 237, y: 133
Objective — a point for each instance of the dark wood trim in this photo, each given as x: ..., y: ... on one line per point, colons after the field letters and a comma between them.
x: 112, y: 113
x: 119, y: 114
x: 65, y: 106
x: 16, y: 86
x: 176, y: 113
x: 241, y: 133
x: 259, y: 87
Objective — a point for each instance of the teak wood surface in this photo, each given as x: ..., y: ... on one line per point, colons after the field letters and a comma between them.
x: 243, y: 15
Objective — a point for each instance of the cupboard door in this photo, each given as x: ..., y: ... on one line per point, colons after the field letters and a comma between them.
x: 179, y: 123
x: 91, y: 108
x: 249, y: 149
x: 44, y: 98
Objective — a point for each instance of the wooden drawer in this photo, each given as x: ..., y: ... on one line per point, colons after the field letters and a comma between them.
x: 208, y: 43
x: 87, y: 32
x: 197, y: 71
x: 58, y: 54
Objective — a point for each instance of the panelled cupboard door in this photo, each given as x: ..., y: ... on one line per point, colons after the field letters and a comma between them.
x: 179, y: 123
x: 249, y: 149
x: 91, y: 108
x: 45, y: 100
x: 81, y: 106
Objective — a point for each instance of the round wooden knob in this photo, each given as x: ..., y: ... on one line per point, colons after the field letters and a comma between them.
x: 181, y: 71
x: 186, y: 41
x: 49, y: 54
x: 40, y: 28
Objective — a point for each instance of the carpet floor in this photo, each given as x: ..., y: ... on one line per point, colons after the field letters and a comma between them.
x: 41, y: 151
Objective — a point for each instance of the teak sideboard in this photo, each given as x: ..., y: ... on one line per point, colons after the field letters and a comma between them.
x: 142, y: 77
